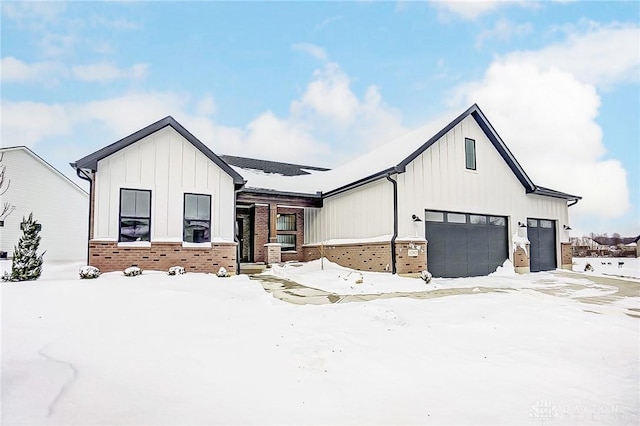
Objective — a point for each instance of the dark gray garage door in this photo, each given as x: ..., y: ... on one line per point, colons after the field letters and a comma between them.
x: 542, y: 236
x: 464, y: 244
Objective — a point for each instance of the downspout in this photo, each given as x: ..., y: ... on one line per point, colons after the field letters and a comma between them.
x: 573, y: 203
x: 235, y: 226
x: 84, y: 176
x: 395, y: 223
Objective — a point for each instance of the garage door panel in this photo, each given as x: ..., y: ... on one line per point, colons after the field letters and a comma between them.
x: 465, y: 249
x: 542, y: 238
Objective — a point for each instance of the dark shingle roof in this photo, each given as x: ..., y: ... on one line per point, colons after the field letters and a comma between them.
x: 285, y: 169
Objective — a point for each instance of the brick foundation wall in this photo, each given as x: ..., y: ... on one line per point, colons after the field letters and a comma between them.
x: 406, y: 264
x: 108, y: 257
x: 374, y: 257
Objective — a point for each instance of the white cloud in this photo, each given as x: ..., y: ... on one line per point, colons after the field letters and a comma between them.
x: 312, y: 50
x: 327, y: 124
x: 602, y: 55
x: 545, y: 105
x: 503, y: 30
x: 33, y: 13
x: 207, y: 106
x: 328, y: 21
x: 27, y: 123
x: 105, y: 72
x: 547, y: 118
x: 467, y: 9
x: 15, y: 70
x: 330, y: 95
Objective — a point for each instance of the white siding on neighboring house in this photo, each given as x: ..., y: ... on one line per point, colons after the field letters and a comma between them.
x: 438, y: 179
x: 58, y: 204
x: 361, y: 213
x: 170, y: 166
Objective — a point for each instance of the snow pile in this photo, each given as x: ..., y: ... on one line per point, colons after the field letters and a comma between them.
x: 520, y: 242
x: 206, y: 350
x: 339, y: 280
x: 506, y: 269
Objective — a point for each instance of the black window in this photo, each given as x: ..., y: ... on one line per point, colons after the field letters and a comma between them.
x: 135, y: 215
x: 286, y: 231
x: 288, y: 241
x: 470, y: 153
x: 286, y: 222
x: 197, y: 218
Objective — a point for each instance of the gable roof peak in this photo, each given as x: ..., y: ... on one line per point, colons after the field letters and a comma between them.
x: 91, y: 161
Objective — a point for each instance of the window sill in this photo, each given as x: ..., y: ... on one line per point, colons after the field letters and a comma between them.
x: 196, y: 245
x: 141, y: 244
x: 289, y: 252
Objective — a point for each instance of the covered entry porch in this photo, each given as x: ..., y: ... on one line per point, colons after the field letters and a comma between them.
x: 270, y: 225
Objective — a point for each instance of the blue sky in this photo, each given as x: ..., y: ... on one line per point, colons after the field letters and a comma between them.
x: 323, y: 82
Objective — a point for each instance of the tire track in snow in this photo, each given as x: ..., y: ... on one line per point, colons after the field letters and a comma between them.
x: 65, y: 387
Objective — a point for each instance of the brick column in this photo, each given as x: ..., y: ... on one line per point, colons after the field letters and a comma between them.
x: 273, y: 220
x: 274, y: 253
x: 567, y: 258
x: 521, y: 260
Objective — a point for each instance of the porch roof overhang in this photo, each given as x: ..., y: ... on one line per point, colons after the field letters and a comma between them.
x: 269, y: 196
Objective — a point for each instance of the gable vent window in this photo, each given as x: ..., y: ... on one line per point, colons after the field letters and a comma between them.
x: 135, y: 215
x: 470, y: 153
x: 197, y: 218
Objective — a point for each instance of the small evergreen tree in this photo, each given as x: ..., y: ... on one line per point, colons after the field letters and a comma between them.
x: 27, y: 265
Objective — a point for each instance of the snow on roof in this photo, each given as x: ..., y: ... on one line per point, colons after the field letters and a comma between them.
x: 379, y: 159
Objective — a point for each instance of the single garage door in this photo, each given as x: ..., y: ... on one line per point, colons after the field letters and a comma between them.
x: 465, y: 244
x: 542, y: 236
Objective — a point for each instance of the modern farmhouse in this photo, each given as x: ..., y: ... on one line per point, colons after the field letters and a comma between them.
x: 453, y: 200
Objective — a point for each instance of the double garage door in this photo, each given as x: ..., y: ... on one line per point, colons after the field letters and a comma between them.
x: 468, y: 244
x: 465, y: 244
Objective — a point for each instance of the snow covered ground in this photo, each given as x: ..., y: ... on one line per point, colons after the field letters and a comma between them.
x: 609, y: 266
x: 197, y: 349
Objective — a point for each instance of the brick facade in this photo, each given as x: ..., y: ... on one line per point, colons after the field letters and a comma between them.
x: 374, y: 257
x: 260, y: 232
x: 108, y: 257
x: 566, y: 256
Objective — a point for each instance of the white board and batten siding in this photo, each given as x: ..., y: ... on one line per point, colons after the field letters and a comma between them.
x: 170, y: 166
x: 361, y: 213
x: 436, y: 180
x: 57, y: 203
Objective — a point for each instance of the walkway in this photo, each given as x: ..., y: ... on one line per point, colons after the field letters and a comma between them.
x: 298, y: 294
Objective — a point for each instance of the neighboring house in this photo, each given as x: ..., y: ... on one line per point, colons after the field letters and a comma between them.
x: 457, y: 187
x: 57, y: 203
x: 587, y: 247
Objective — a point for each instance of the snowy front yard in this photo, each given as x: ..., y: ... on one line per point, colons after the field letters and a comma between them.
x: 196, y: 349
